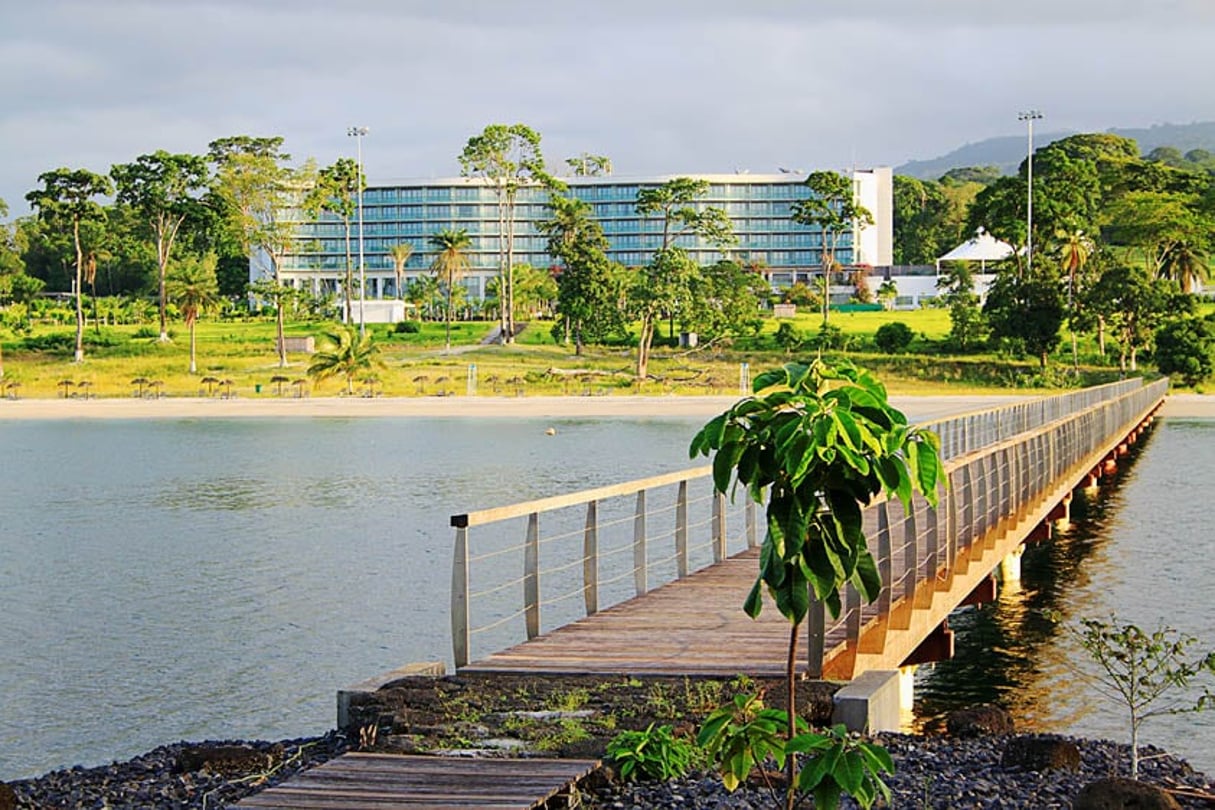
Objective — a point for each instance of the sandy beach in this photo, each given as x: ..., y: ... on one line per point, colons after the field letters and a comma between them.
x: 918, y: 407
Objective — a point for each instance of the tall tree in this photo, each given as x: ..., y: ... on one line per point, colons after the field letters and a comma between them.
x: 336, y: 192
x: 400, y: 253
x: 1134, y: 304
x: 588, y: 165
x: 834, y: 209
x: 507, y: 158
x: 1074, y: 250
x: 67, y: 199
x: 967, y: 329
x: 664, y: 285
x: 165, y: 190
x: 588, y: 298
x: 449, y: 265
x: 256, y: 189
x: 192, y: 285
x: 1027, y: 309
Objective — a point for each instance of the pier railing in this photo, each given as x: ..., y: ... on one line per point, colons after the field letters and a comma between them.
x: 1004, y: 467
x: 543, y: 563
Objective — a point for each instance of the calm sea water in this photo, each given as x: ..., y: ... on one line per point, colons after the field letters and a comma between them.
x: 164, y: 580
x: 184, y: 579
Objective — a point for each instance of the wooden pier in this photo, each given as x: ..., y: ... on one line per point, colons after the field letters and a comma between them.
x: 382, y: 781
x: 659, y: 573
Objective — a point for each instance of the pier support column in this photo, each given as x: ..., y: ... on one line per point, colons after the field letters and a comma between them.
x: 1061, y: 515
x: 907, y: 689
x: 1092, y: 481
x: 1010, y: 567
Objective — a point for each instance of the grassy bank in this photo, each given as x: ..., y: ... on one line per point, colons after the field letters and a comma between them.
x: 238, y: 358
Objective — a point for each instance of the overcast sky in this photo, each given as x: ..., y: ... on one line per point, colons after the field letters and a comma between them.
x: 659, y: 86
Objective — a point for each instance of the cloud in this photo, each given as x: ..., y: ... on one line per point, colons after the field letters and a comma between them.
x: 661, y: 87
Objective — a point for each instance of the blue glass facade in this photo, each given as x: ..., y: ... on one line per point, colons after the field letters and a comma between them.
x: 393, y: 213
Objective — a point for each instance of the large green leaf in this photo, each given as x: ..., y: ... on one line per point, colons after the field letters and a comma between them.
x: 755, y: 601
x: 929, y: 469
x: 769, y: 379
x: 866, y: 578
x: 709, y: 436
x: 793, y: 597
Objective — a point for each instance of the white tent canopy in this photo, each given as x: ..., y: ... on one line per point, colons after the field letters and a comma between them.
x: 983, y: 248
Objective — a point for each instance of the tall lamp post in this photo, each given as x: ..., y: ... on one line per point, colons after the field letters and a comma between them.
x: 357, y: 133
x: 1029, y: 116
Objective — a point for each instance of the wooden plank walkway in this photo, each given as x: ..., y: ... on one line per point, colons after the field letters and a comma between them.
x: 693, y: 626
x: 382, y: 781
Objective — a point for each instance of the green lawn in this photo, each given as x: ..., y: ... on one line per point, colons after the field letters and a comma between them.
x: 416, y: 364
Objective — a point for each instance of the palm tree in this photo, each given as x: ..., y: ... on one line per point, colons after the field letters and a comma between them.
x: 193, y: 287
x: 1184, y: 262
x: 450, y: 264
x: 346, y: 354
x: 1074, y: 250
x: 400, y: 254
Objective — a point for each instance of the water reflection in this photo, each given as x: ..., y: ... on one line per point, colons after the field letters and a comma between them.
x: 1111, y: 559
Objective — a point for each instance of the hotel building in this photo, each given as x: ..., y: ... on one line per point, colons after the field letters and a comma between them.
x: 758, y: 206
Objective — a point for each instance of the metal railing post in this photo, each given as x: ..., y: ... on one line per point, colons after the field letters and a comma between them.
x: 681, y: 530
x: 590, y: 559
x: 640, y: 584
x: 531, y: 576
x: 459, y: 599
x: 719, y: 526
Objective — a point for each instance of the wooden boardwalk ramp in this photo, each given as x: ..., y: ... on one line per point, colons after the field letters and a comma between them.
x: 381, y: 781
x: 694, y: 626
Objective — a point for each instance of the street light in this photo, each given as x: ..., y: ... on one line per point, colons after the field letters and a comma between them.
x: 1029, y: 116
x: 357, y: 133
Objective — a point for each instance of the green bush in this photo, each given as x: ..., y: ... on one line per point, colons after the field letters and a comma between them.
x: 655, y: 753
x: 408, y: 327
x: 1183, y: 349
x: 893, y: 337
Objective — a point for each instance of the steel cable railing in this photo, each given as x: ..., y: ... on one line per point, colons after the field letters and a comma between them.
x: 656, y: 529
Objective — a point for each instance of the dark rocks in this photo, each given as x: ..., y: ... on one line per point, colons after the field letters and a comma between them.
x: 227, y: 760
x: 8, y: 799
x: 156, y: 779
x: 982, y: 720
x: 1123, y: 794
x: 932, y: 773
x: 1041, y: 753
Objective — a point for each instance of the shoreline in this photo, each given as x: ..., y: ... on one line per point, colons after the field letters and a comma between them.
x: 925, y: 407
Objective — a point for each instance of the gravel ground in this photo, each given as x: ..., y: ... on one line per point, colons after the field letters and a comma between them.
x: 934, y: 772
x: 931, y: 772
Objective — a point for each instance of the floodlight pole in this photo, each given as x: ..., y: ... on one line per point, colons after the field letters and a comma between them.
x: 1029, y: 116
x: 357, y: 133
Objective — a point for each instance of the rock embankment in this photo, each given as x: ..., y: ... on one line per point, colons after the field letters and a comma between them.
x: 943, y: 773
x: 931, y: 772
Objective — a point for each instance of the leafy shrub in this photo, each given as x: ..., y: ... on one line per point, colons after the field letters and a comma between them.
x: 788, y: 337
x: 408, y: 327
x: 1183, y: 349
x: 741, y: 736
x: 894, y: 337
x: 655, y: 753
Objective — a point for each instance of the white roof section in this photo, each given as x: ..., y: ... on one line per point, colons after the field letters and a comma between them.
x: 982, y: 248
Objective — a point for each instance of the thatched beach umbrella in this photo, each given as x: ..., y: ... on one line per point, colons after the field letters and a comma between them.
x: 210, y: 382
x: 84, y: 386
x: 140, y: 383
x: 278, y: 380
x: 301, y: 388
x: 65, y: 385
x: 157, y: 387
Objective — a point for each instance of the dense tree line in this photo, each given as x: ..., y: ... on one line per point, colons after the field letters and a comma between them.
x: 1119, y: 242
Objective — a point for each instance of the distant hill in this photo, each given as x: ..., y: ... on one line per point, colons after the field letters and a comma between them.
x: 1008, y: 152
